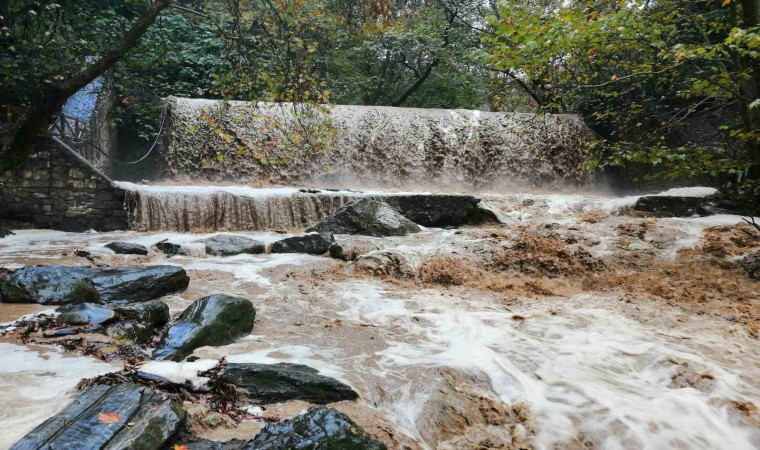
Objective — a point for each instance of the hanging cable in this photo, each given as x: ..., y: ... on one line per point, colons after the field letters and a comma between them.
x: 104, y: 153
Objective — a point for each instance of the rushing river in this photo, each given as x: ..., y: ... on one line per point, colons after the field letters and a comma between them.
x: 449, y: 367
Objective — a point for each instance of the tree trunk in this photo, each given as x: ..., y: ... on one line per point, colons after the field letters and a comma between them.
x: 751, y: 12
x: 39, y: 115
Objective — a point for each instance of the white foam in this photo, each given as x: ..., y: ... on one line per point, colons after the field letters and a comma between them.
x: 181, y: 372
x: 582, y: 371
x: 317, y: 358
x: 35, y: 385
x: 244, y: 267
x: 695, y: 191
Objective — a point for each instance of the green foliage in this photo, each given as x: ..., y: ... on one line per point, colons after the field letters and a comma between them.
x: 672, y: 84
x: 45, y: 42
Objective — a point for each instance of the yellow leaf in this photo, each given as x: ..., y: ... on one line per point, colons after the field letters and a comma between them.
x: 180, y: 447
x: 726, y: 2
x: 109, y: 418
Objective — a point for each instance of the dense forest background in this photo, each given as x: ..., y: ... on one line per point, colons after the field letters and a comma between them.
x: 672, y: 87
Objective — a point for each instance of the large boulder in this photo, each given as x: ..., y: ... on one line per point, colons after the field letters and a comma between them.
x: 214, y: 320
x: 228, y: 245
x: 367, y: 217
x: 139, y: 284
x: 441, y: 210
x: 49, y: 285
x: 671, y: 206
x: 127, y: 248
x: 123, y: 416
x: 271, y: 383
x: 312, y: 244
x: 56, y: 285
x: 319, y: 428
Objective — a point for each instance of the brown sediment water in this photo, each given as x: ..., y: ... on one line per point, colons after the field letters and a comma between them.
x: 568, y: 325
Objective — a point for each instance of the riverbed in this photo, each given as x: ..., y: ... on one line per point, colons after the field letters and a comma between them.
x: 571, y: 324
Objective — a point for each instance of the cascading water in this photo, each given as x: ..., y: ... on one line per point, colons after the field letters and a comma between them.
x: 197, y: 209
x: 368, y: 146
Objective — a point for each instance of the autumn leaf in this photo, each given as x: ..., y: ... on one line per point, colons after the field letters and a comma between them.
x: 726, y: 3
x: 109, y: 418
x: 180, y: 447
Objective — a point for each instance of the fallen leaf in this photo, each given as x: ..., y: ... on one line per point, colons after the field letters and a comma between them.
x: 180, y: 447
x: 109, y: 418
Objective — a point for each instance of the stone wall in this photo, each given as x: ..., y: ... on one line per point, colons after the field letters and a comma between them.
x: 59, y: 190
x: 373, y: 146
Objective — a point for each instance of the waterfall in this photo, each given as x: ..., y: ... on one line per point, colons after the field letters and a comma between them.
x: 370, y: 146
x: 220, y: 208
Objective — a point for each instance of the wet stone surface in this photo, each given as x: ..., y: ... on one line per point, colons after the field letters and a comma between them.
x: 367, y: 217
x: 312, y: 244
x: 56, y: 285
x: 124, y: 416
x: 127, y: 248
x: 214, y: 320
x: 227, y: 245
x: 270, y: 383
x: 318, y: 428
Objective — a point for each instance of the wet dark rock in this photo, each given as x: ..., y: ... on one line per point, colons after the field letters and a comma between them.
x: 271, y: 383
x: 139, y: 284
x: 671, y: 206
x: 127, y: 248
x: 171, y: 249
x: 154, y: 312
x: 139, y: 322
x: 214, y: 320
x: 85, y: 314
x: 719, y: 204
x: 317, y: 429
x: 367, y: 217
x: 441, y: 210
x: 312, y: 244
x: 98, y: 417
x: 751, y: 263
x: 228, y: 245
x: 55, y: 285
x: 5, y: 232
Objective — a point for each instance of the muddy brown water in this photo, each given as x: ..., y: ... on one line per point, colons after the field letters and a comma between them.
x: 450, y: 367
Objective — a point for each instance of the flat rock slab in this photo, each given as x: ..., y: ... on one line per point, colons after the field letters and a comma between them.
x: 228, y: 245
x: 55, y: 285
x: 319, y: 428
x: 271, y: 383
x: 367, y: 217
x: 127, y: 248
x: 440, y: 210
x: 97, y: 419
x: 312, y: 244
x: 214, y: 320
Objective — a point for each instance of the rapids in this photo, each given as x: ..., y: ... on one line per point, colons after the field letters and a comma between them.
x: 443, y: 367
